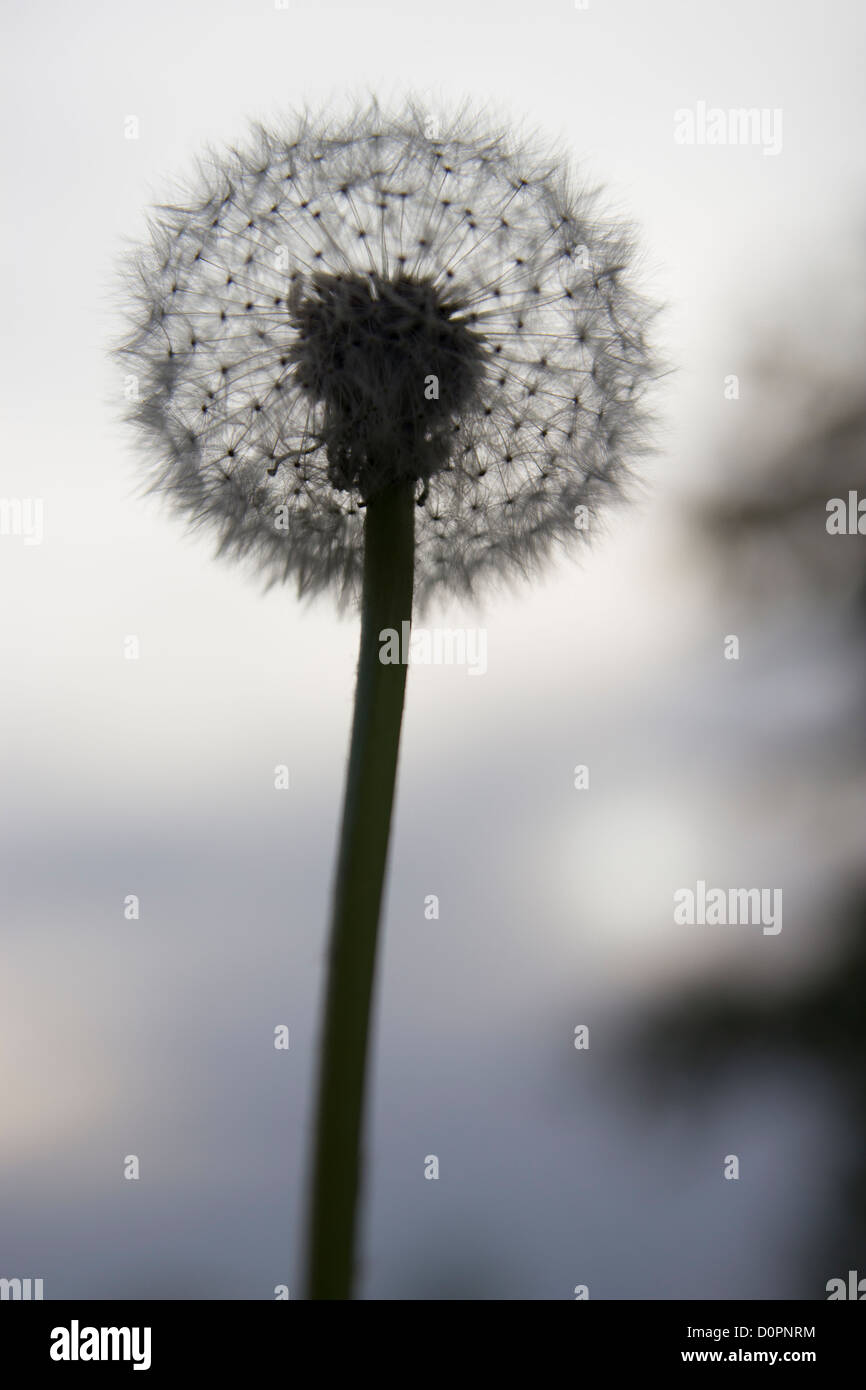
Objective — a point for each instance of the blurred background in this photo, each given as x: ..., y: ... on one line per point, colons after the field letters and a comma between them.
x: 558, y: 1167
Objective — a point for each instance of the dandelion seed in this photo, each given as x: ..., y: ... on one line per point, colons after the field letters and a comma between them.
x: 310, y: 285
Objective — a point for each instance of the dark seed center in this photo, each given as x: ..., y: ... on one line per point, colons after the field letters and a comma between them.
x: 394, y: 366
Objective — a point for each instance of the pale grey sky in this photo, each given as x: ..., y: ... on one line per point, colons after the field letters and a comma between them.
x: 156, y: 775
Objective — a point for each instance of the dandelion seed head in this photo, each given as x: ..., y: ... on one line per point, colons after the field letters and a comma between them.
x: 341, y: 305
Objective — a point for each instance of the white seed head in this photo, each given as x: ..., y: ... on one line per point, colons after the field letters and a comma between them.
x: 341, y: 305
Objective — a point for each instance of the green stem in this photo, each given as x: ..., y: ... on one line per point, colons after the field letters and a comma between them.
x: 389, y: 545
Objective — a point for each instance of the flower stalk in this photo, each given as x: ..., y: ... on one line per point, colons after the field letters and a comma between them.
x: 386, y: 602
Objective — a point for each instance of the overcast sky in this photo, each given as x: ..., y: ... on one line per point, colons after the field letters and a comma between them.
x: 155, y: 776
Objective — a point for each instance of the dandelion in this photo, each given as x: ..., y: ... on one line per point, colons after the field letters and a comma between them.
x: 392, y: 364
